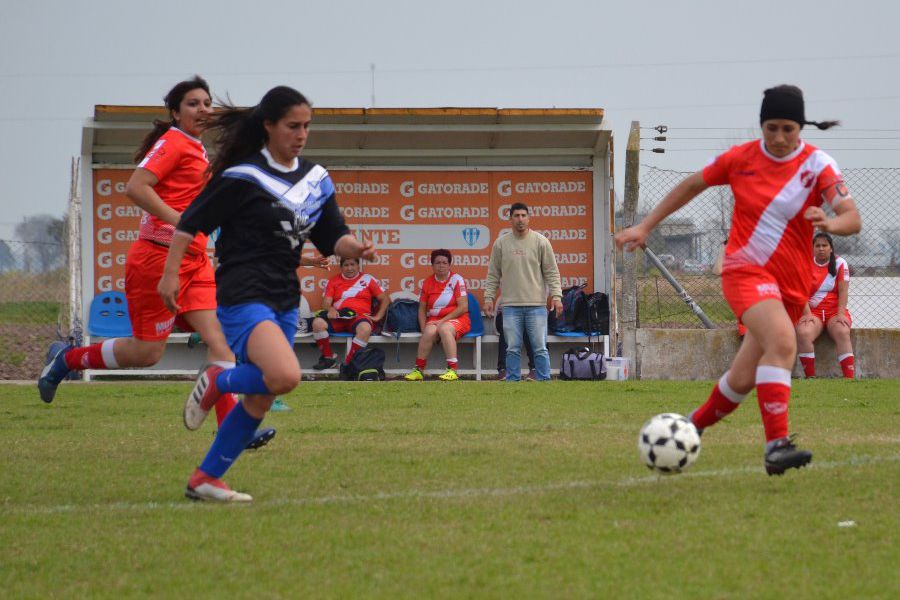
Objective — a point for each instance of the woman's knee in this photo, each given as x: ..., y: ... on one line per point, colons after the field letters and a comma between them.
x: 363, y: 330
x: 282, y: 379
x: 784, y: 346
x: 319, y: 324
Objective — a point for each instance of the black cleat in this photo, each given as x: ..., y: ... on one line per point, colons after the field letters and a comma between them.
x: 261, y: 438
x: 785, y: 455
x: 325, y: 363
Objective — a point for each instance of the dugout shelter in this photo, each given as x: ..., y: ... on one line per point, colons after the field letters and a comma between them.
x: 411, y: 179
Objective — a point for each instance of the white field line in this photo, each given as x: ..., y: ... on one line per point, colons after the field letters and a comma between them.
x: 448, y: 494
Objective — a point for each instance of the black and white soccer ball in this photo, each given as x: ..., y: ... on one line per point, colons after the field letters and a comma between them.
x: 669, y: 443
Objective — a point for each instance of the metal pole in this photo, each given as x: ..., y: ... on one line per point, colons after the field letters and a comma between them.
x: 678, y: 289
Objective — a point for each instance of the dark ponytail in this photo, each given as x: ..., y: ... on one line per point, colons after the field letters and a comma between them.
x: 173, y: 103
x: 786, y: 102
x: 240, y: 132
x: 823, y: 124
x: 832, y: 260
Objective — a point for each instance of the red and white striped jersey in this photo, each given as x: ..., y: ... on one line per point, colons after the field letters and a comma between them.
x: 825, y: 285
x: 180, y: 163
x: 441, y: 297
x: 355, y: 294
x: 770, y: 196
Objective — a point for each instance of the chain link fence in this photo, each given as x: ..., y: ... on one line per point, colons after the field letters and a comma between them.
x: 689, y: 241
x: 34, y: 295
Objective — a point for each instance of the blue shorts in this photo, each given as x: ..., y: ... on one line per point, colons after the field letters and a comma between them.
x: 239, y: 321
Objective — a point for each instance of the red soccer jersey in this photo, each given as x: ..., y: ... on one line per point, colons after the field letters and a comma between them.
x: 441, y: 297
x: 179, y: 162
x: 770, y: 196
x: 355, y: 294
x: 825, y: 285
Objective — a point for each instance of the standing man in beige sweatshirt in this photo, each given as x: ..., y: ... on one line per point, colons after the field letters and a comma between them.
x: 524, y: 267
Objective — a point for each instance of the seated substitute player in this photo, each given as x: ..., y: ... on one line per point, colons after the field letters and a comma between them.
x: 443, y: 315
x: 347, y: 305
x: 827, y: 308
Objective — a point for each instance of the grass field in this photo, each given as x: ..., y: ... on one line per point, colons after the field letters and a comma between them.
x: 448, y: 490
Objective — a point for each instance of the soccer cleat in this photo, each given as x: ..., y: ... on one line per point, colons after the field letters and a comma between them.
x: 449, y: 375
x: 55, y: 370
x: 325, y: 362
x: 785, y: 455
x: 203, y: 487
x: 261, y: 437
x: 202, y: 398
x: 414, y: 375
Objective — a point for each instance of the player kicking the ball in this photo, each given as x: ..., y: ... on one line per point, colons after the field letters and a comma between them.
x: 779, y: 184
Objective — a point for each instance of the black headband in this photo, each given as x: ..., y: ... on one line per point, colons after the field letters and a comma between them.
x: 783, y: 102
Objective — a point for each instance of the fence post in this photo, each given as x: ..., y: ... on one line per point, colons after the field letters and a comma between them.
x: 74, y: 242
x: 629, y: 279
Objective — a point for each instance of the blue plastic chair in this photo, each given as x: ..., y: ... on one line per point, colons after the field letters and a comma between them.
x: 475, y: 317
x: 108, y: 316
x: 476, y: 332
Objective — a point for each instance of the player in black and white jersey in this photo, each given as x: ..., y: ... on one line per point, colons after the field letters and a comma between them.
x: 267, y: 201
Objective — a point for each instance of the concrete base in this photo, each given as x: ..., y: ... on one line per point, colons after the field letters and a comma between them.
x: 706, y: 354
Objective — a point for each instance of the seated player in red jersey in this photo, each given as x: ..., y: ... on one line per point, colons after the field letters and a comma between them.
x: 443, y: 315
x: 827, y: 308
x: 347, y: 308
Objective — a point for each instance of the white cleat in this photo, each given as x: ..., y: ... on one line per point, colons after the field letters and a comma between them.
x: 202, y: 398
x: 211, y: 489
x: 193, y: 414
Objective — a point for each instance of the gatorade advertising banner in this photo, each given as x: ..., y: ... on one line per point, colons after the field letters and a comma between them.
x: 407, y: 214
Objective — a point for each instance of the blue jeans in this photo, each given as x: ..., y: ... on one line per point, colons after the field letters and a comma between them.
x: 519, y: 321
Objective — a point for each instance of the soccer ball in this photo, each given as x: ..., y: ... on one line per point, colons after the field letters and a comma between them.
x: 669, y: 443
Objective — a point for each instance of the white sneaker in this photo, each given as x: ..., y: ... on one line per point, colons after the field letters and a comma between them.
x: 203, y: 487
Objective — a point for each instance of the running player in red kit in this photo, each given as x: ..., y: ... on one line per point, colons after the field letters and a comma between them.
x: 443, y: 316
x: 827, y: 309
x: 347, y: 307
x: 779, y: 185
x: 171, y: 172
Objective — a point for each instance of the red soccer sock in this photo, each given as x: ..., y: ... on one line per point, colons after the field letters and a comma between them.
x: 848, y: 365
x: 95, y: 356
x: 357, y: 344
x: 452, y: 363
x: 721, y: 402
x: 324, y: 344
x: 808, y: 360
x: 420, y: 364
x: 773, y: 391
x: 224, y: 406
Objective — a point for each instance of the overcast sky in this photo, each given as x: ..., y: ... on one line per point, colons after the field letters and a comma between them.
x: 685, y: 64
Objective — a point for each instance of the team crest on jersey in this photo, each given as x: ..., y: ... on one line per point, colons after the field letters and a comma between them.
x: 807, y: 178
x: 471, y: 235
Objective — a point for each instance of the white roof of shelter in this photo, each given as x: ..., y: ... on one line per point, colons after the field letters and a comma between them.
x: 400, y: 136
